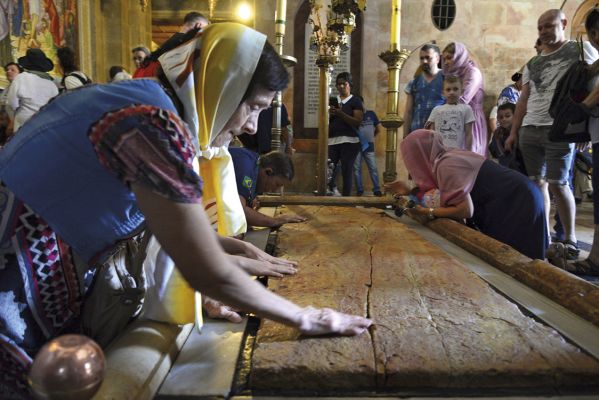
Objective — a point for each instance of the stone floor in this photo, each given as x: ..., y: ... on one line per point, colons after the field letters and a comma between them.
x: 584, y: 223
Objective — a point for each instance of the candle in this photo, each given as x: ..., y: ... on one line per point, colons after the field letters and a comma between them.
x: 395, y: 23
x: 281, y: 10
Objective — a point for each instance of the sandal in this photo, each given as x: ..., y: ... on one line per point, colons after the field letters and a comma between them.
x: 572, y: 250
x: 556, y: 254
x: 583, y: 267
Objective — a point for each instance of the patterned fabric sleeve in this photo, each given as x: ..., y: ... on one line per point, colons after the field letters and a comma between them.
x: 150, y: 146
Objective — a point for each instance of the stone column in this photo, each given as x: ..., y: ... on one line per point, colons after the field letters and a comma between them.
x: 324, y: 66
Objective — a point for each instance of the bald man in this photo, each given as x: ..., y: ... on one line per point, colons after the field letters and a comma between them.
x: 547, y: 163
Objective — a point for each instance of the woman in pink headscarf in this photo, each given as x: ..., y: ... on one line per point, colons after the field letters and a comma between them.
x: 456, y: 61
x: 503, y: 203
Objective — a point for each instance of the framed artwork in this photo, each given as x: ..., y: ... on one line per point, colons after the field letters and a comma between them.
x: 43, y: 24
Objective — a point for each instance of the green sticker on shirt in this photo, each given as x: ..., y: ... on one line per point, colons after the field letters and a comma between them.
x: 247, y: 182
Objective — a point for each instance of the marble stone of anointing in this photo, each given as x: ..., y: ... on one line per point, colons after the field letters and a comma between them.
x: 437, y: 325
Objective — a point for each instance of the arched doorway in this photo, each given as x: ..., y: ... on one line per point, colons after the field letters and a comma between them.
x: 299, y: 47
x: 578, y: 28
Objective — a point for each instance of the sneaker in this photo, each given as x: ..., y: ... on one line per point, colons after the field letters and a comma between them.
x: 359, y: 193
x: 336, y: 192
x: 378, y: 193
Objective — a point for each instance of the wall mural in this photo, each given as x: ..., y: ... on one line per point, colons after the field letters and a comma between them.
x: 43, y: 24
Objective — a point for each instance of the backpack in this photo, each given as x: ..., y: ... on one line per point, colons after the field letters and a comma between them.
x: 84, y: 79
x: 570, y: 115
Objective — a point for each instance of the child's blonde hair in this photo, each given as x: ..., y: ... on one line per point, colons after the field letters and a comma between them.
x: 452, y: 79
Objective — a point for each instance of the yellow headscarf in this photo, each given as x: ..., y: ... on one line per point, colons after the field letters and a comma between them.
x: 210, y: 75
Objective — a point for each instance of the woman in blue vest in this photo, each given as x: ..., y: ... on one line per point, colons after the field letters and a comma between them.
x: 99, y: 164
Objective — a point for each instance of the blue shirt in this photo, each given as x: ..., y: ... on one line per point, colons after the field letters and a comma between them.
x: 51, y: 165
x: 367, y: 127
x: 245, y: 163
x: 426, y: 96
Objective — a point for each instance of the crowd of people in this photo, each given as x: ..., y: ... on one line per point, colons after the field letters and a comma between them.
x: 150, y: 157
x: 448, y: 101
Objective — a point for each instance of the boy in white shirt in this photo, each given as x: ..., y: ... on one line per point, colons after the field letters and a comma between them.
x: 452, y: 121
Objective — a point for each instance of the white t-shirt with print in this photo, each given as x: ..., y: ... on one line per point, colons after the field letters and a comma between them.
x: 450, y: 122
x: 542, y: 73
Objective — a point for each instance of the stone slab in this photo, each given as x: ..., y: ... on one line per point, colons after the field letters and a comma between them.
x: 438, y: 325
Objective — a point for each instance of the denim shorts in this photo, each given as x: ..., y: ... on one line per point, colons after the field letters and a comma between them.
x: 544, y: 159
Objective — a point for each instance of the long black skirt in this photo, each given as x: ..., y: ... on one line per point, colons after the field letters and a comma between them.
x: 509, y: 207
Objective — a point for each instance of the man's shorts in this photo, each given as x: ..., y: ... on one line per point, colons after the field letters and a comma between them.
x: 545, y: 159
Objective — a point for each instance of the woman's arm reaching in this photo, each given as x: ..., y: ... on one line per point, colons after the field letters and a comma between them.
x: 186, y: 235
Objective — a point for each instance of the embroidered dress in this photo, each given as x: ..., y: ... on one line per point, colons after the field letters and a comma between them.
x: 66, y: 202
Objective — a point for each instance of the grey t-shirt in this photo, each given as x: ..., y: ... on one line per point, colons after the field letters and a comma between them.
x: 450, y: 122
x: 542, y: 73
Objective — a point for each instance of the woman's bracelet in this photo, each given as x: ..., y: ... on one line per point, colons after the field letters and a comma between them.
x: 431, y: 213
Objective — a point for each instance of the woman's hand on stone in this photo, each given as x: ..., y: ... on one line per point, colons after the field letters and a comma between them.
x: 419, y: 213
x: 216, y: 309
x: 265, y: 268
x: 315, y: 321
x: 290, y: 218
x: 255, y: 253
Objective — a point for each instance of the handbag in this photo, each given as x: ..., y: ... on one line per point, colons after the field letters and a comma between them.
x: 116, y: 294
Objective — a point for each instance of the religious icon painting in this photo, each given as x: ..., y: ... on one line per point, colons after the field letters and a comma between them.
x: 42, y: 24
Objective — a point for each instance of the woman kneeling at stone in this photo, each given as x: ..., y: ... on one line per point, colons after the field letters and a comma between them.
x: 96, y: 164
x: 503, y: 203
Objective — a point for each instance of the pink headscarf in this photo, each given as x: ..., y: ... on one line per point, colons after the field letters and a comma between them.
x: 462, y: 63
x: 431, y: 166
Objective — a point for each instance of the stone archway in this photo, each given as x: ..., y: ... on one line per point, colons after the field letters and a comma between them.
x: 577, y: 25
x: 299, y: 45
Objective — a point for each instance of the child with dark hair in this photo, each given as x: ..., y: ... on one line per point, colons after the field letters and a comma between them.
x: 511, y: 159
x: 256, y: 174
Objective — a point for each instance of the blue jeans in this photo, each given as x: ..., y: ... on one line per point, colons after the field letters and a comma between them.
x: 370, y: 159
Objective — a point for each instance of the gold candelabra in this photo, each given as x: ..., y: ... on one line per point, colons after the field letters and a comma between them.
x: 394, y: 58
x: 328, y: 40
x: 288, y: 61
